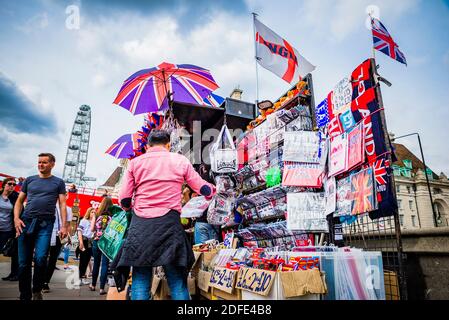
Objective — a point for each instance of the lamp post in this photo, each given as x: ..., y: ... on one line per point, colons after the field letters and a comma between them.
x: 425, y: 173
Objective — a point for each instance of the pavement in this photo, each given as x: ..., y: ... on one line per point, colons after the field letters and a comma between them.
x: 62, y: 285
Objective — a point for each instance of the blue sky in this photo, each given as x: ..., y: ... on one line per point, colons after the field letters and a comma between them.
x: 47, y: 71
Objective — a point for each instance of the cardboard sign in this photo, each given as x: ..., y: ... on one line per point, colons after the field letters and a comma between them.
x: 204, y: 280
x: 223, y: 279
x: 306, y: 212
x: 338, y: 154
x: 300, y: 283
x: 208, y: 257
x: 302, y: 146
x: 255, y: 280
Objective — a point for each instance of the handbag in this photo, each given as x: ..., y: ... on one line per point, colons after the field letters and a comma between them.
x: 9, y: 247
x: 223, y: 154
x: 114, y: 235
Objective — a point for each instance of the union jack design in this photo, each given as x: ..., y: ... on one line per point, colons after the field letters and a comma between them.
x: 384, y: 43
x: 380, y: 171
x: 147, y: 90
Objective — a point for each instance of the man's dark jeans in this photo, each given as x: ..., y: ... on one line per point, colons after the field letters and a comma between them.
x: 37, y: 242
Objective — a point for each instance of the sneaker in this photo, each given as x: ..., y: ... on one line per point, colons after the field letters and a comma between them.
x: 37, y: 296
x: 14, y: 278
x: 45, y: 288
x: 85, y: 281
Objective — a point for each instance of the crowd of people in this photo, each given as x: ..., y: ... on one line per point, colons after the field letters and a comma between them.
x: 35, y: 222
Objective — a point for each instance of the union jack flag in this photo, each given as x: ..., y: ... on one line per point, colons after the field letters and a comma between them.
x: 384, y: 43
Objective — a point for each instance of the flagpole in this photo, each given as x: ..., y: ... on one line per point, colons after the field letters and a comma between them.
x: 374, y: 50
x: 257, y: 66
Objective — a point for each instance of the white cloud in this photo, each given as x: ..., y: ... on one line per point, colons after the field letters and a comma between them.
x: 19, y: 158
x: 341, y: 18
x: 39, y: 21
x: 34, y: 93
x: 99, y: 80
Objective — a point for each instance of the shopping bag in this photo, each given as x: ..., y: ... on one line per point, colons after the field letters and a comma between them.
x: 113, y: 237
x: 220, y: 209
x: 195, y: 207
x: 9, y: 247
x: 223, y: 154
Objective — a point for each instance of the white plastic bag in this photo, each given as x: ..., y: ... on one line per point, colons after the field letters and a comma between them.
x: 195, y: 207
x: 223, y: 154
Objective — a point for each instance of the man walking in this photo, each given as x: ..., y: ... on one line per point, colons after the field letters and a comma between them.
x: 34, y: 227
x: 156, y: 236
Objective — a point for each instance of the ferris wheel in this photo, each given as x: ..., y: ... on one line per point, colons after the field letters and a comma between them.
x: 78, y: 148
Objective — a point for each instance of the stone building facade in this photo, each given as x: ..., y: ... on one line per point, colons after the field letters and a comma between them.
x: 415, y: 211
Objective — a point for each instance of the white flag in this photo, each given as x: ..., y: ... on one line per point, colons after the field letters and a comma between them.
x: 277, y: 55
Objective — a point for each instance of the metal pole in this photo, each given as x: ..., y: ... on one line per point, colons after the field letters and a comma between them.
x: 428, y: 184
x: 257, y: 65
x: 425, y: 173
x: 403, y: 280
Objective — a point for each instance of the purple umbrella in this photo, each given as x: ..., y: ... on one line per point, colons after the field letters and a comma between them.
x: 147, y: 90
x: 123, y: 147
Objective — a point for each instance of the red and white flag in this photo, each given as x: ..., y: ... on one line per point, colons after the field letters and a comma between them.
x: 277, y: 55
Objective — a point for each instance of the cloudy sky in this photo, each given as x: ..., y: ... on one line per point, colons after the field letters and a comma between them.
x: 47, y: 70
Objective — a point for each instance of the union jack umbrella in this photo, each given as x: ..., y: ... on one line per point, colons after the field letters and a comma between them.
x: 124, y: 146
x: 385, y: 43
x: 149, y: 90
x: 213, y: 100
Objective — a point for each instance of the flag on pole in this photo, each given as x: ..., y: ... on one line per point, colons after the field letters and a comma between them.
x: 277, y: 55
x: 384, y: 43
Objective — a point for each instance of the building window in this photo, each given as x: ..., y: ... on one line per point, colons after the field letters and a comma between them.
x: 398, y: 188
x: 401, y: 220
x: 409, y: 190
x: 399, y: 203
x: 413, y: 221
x: 410, y: 204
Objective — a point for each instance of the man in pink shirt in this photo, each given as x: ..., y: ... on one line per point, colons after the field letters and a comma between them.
x: 156, y: 237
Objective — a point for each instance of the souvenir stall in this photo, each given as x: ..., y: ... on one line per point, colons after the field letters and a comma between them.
x: 302, y: 172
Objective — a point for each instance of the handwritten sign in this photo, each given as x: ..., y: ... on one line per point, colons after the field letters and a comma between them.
x: 255, y: 280
x: 204, y: 280
x: 223, y: 279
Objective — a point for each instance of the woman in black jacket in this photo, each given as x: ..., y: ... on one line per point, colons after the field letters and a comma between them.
x: 7, y: 201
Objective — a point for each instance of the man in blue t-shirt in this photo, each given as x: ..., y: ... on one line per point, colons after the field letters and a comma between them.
x: 34, y: 227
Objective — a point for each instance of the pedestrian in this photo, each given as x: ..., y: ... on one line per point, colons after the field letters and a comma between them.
x: 156, y: 236
x: 105, y: 212
x: 73, y: 188
x: 55, y: 246
x: 7, y: 202
x: 204, y: 231
x: 85, y: 243
x: 35, y: 225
